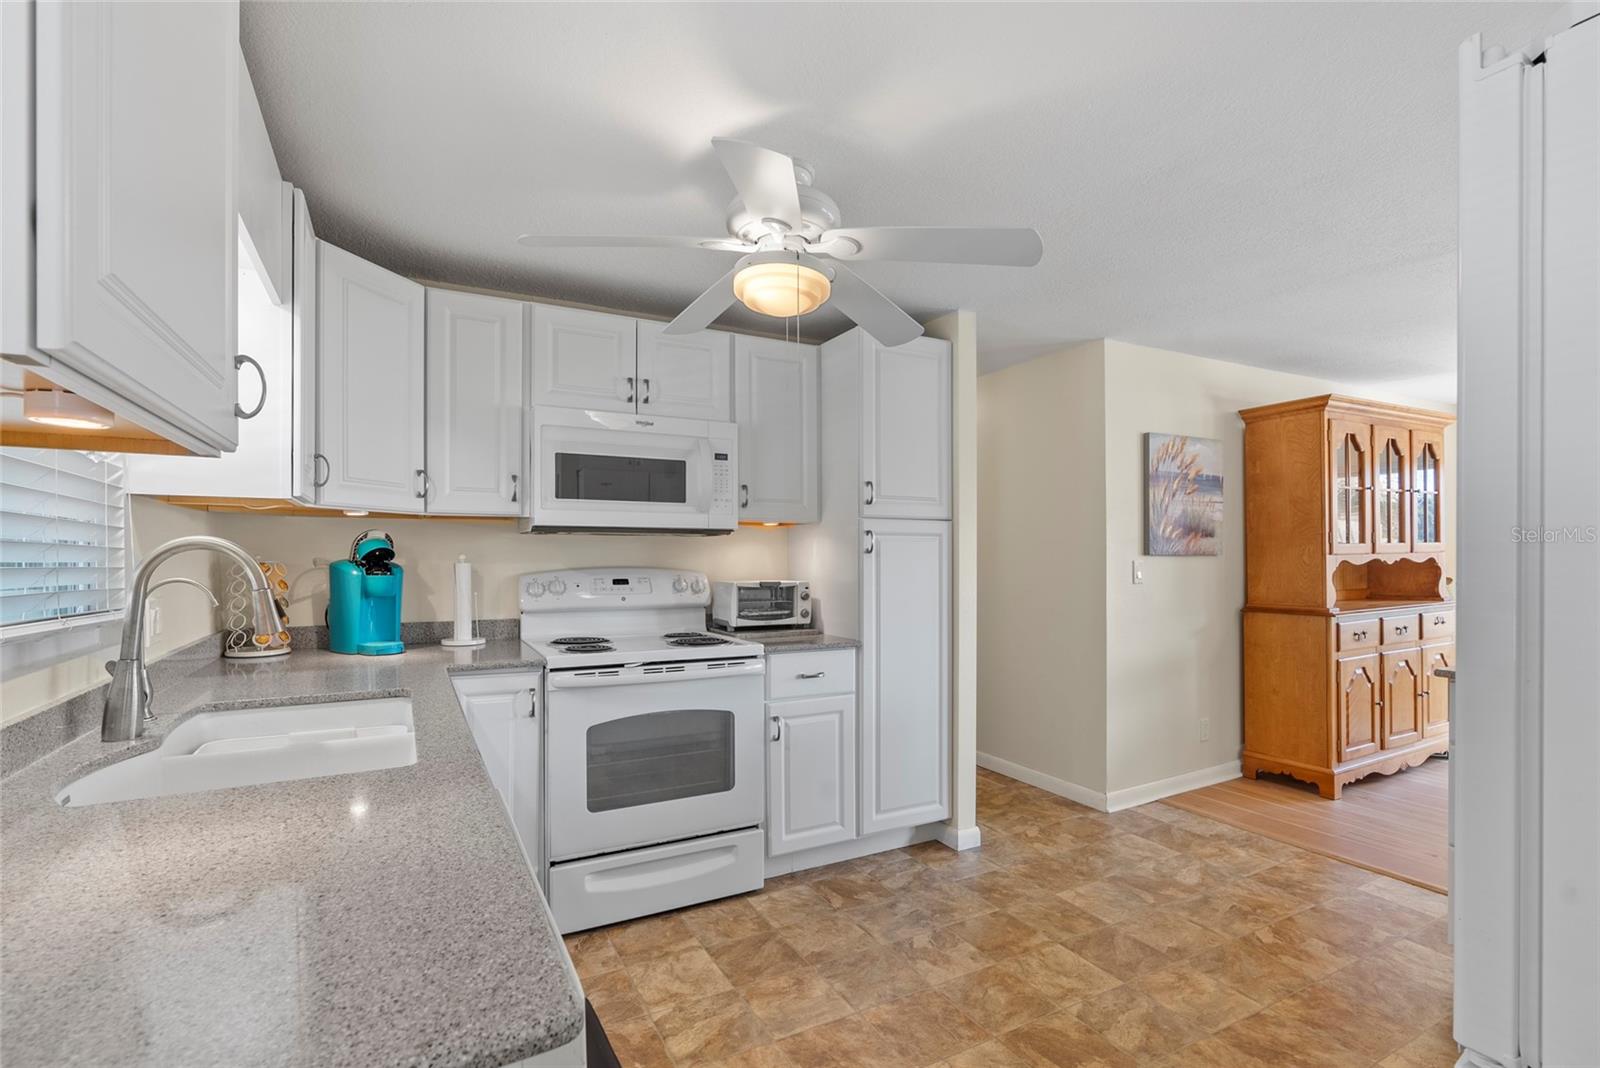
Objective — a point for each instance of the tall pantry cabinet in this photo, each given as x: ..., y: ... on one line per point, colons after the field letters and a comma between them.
x: 879, y: 562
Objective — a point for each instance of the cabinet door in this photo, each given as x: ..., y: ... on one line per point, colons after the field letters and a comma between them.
x: 476, y: 349
x: 503, y: 712
x: 1427, y: 491
x: 811, y: 773
x: 905, y: 430
x: 136, y: 142
x: 775, y: 405
x: 1391, y: 486
x: 1357, y: 696
x: 1436, y: 691
x: 261, y: 193
x: 688, y: 376
x: 584, y: 359
x: 1349, y: 486
x: 1402, y: 697
x: 309, y: 467
x: 905, y: 673
x: 370, y: 384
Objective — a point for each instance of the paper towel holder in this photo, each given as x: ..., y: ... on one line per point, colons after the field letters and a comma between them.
x: 466, y: 620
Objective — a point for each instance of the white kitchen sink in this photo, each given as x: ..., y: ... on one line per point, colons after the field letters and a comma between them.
x: 247, y: 747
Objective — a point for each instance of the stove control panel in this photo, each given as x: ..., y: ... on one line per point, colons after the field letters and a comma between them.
x: 645, y: 587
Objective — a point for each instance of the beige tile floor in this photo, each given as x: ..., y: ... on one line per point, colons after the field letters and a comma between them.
x: 1071, y: 938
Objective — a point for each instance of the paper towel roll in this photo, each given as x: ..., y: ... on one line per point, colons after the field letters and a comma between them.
x: 463, y: 616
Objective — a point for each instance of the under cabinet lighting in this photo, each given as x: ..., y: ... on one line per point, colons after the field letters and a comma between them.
x: 58, y: 407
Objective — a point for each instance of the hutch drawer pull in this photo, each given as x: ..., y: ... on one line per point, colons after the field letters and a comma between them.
x: 811, y: 675
x: 1401, y: 628
x: 1438, y: 621
x: 1358, y: 635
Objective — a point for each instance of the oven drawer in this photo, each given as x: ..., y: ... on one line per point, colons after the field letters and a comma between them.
x: 621, y: 886
x: 810, y: 674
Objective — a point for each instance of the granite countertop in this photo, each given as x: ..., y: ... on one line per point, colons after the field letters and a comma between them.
x: 386, y: 917
x: 802, y: 643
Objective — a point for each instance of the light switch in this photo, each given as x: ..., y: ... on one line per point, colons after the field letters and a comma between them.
x: 1138, y: 574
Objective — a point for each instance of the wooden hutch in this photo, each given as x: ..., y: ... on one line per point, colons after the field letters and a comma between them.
x: 1346, y: 613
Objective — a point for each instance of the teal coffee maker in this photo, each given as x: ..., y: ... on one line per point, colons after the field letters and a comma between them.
x: 364, y: 598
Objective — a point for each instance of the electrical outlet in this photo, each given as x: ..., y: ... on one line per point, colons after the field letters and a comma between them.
x: 1205, y: 729
x: 152, y: 620
x: 1138, y: 574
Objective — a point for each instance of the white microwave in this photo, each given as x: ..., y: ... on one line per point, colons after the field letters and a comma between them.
x: 619, y: 471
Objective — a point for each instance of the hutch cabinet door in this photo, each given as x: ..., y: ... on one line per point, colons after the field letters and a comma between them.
x: 775, y: 405
x: 688, y: 376
x: 369, y: 385
x: 476, y: 349
x: 1427, y: 491
x: 905, y: 430
x: 1436, y: 691
x: 1403, y: 687
x: 1349, y: 487
x: 1358, y: 706
x: 1391, y: 481
x: 585, y: 359
x: 811, y: 773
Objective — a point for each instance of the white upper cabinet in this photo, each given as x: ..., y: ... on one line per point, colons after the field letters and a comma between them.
x: 684, y: 375
x: 263, y: 196
x: 584, y: 359
x: 905, y: 673
x: 309, y: 468
x: 476, y: 349
x: 775, y: 405
x: 906, y: 429
x: 136, y: 140
x: 370, y: 385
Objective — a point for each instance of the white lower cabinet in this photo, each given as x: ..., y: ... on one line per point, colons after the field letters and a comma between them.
x: 502, y: 709
x: 905, y: 676
x: 811, y: 750
x: 370, y: 385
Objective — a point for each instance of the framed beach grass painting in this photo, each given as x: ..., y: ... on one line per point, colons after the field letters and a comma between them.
x: 1183, y: 495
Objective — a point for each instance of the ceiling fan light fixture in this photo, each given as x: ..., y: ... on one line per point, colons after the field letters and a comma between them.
x: 781, y: 289
x: 60, y: 408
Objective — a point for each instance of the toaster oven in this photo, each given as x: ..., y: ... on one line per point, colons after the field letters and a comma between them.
x: 770, y: 603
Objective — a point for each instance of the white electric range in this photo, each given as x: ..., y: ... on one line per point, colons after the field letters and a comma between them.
x: 655, y: 743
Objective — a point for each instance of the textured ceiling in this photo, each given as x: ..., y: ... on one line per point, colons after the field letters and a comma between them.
x: 1272, y: 184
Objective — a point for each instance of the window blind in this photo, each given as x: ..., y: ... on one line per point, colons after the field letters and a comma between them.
x: 63, y: 536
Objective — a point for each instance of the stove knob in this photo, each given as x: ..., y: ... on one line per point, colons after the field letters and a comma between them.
x: 680, y: 585
x: 535, y: 588
x: 557, y: 587
x: 698, y: 585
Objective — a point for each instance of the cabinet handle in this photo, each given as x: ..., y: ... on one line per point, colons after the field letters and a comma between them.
x: 744, y: 495
x: 426, y: 484
x: 872, y: 492
x: 811, y: 675
x: 630, y: 389
x: 644, y: 387
x: 777, y: 729
x: 317, y: 458
x: 239, y: 361
x: 533, y: 703
x: 872, y: 542
x: 513, y: 489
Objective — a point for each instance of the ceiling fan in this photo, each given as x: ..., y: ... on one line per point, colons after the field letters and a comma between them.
x: 789, y: 235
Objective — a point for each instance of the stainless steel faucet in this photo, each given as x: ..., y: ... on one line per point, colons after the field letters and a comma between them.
x: 128, y: 699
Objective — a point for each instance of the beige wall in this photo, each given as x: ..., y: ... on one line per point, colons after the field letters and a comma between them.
x: 427, y: 548
x: 1144, y: 662
x: 1041, y: 566
x: 185, y: 616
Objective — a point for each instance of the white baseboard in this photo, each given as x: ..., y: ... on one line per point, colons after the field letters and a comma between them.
x: 1060, y: 787
x: 961, y: 839
x: 881, y: 842
x: 1133, y: 796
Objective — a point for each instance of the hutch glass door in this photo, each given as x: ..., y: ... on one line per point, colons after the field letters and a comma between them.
x: 1351, y: 484
x: 1427, y: 491
x: 1390, y: 485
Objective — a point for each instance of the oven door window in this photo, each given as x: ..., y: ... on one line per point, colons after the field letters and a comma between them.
x: 659, y: 756
x: 758, y: 603
x: 638, y: 479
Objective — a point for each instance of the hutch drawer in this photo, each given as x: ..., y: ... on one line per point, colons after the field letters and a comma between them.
x: 1357, y: 634
x: 1439, y: 624
x: 1399, y: 629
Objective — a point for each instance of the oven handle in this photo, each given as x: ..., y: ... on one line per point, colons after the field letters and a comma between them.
x: 634, y: 676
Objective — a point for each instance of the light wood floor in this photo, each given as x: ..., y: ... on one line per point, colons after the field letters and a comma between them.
x: 1392, y: 824
x: 1148, y: 938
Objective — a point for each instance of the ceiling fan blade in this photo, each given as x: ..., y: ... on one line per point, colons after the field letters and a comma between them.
x: 871, y: 310
x: 999, y: 246
x: 764, y: 179
x: 716, y: 244
x: 705, y: 308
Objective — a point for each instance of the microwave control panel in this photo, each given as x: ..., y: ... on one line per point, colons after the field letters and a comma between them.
x: 721, y: 483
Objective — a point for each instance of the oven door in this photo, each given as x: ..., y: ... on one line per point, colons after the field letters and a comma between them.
x: 645, y: 754
x: 608, y: 470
